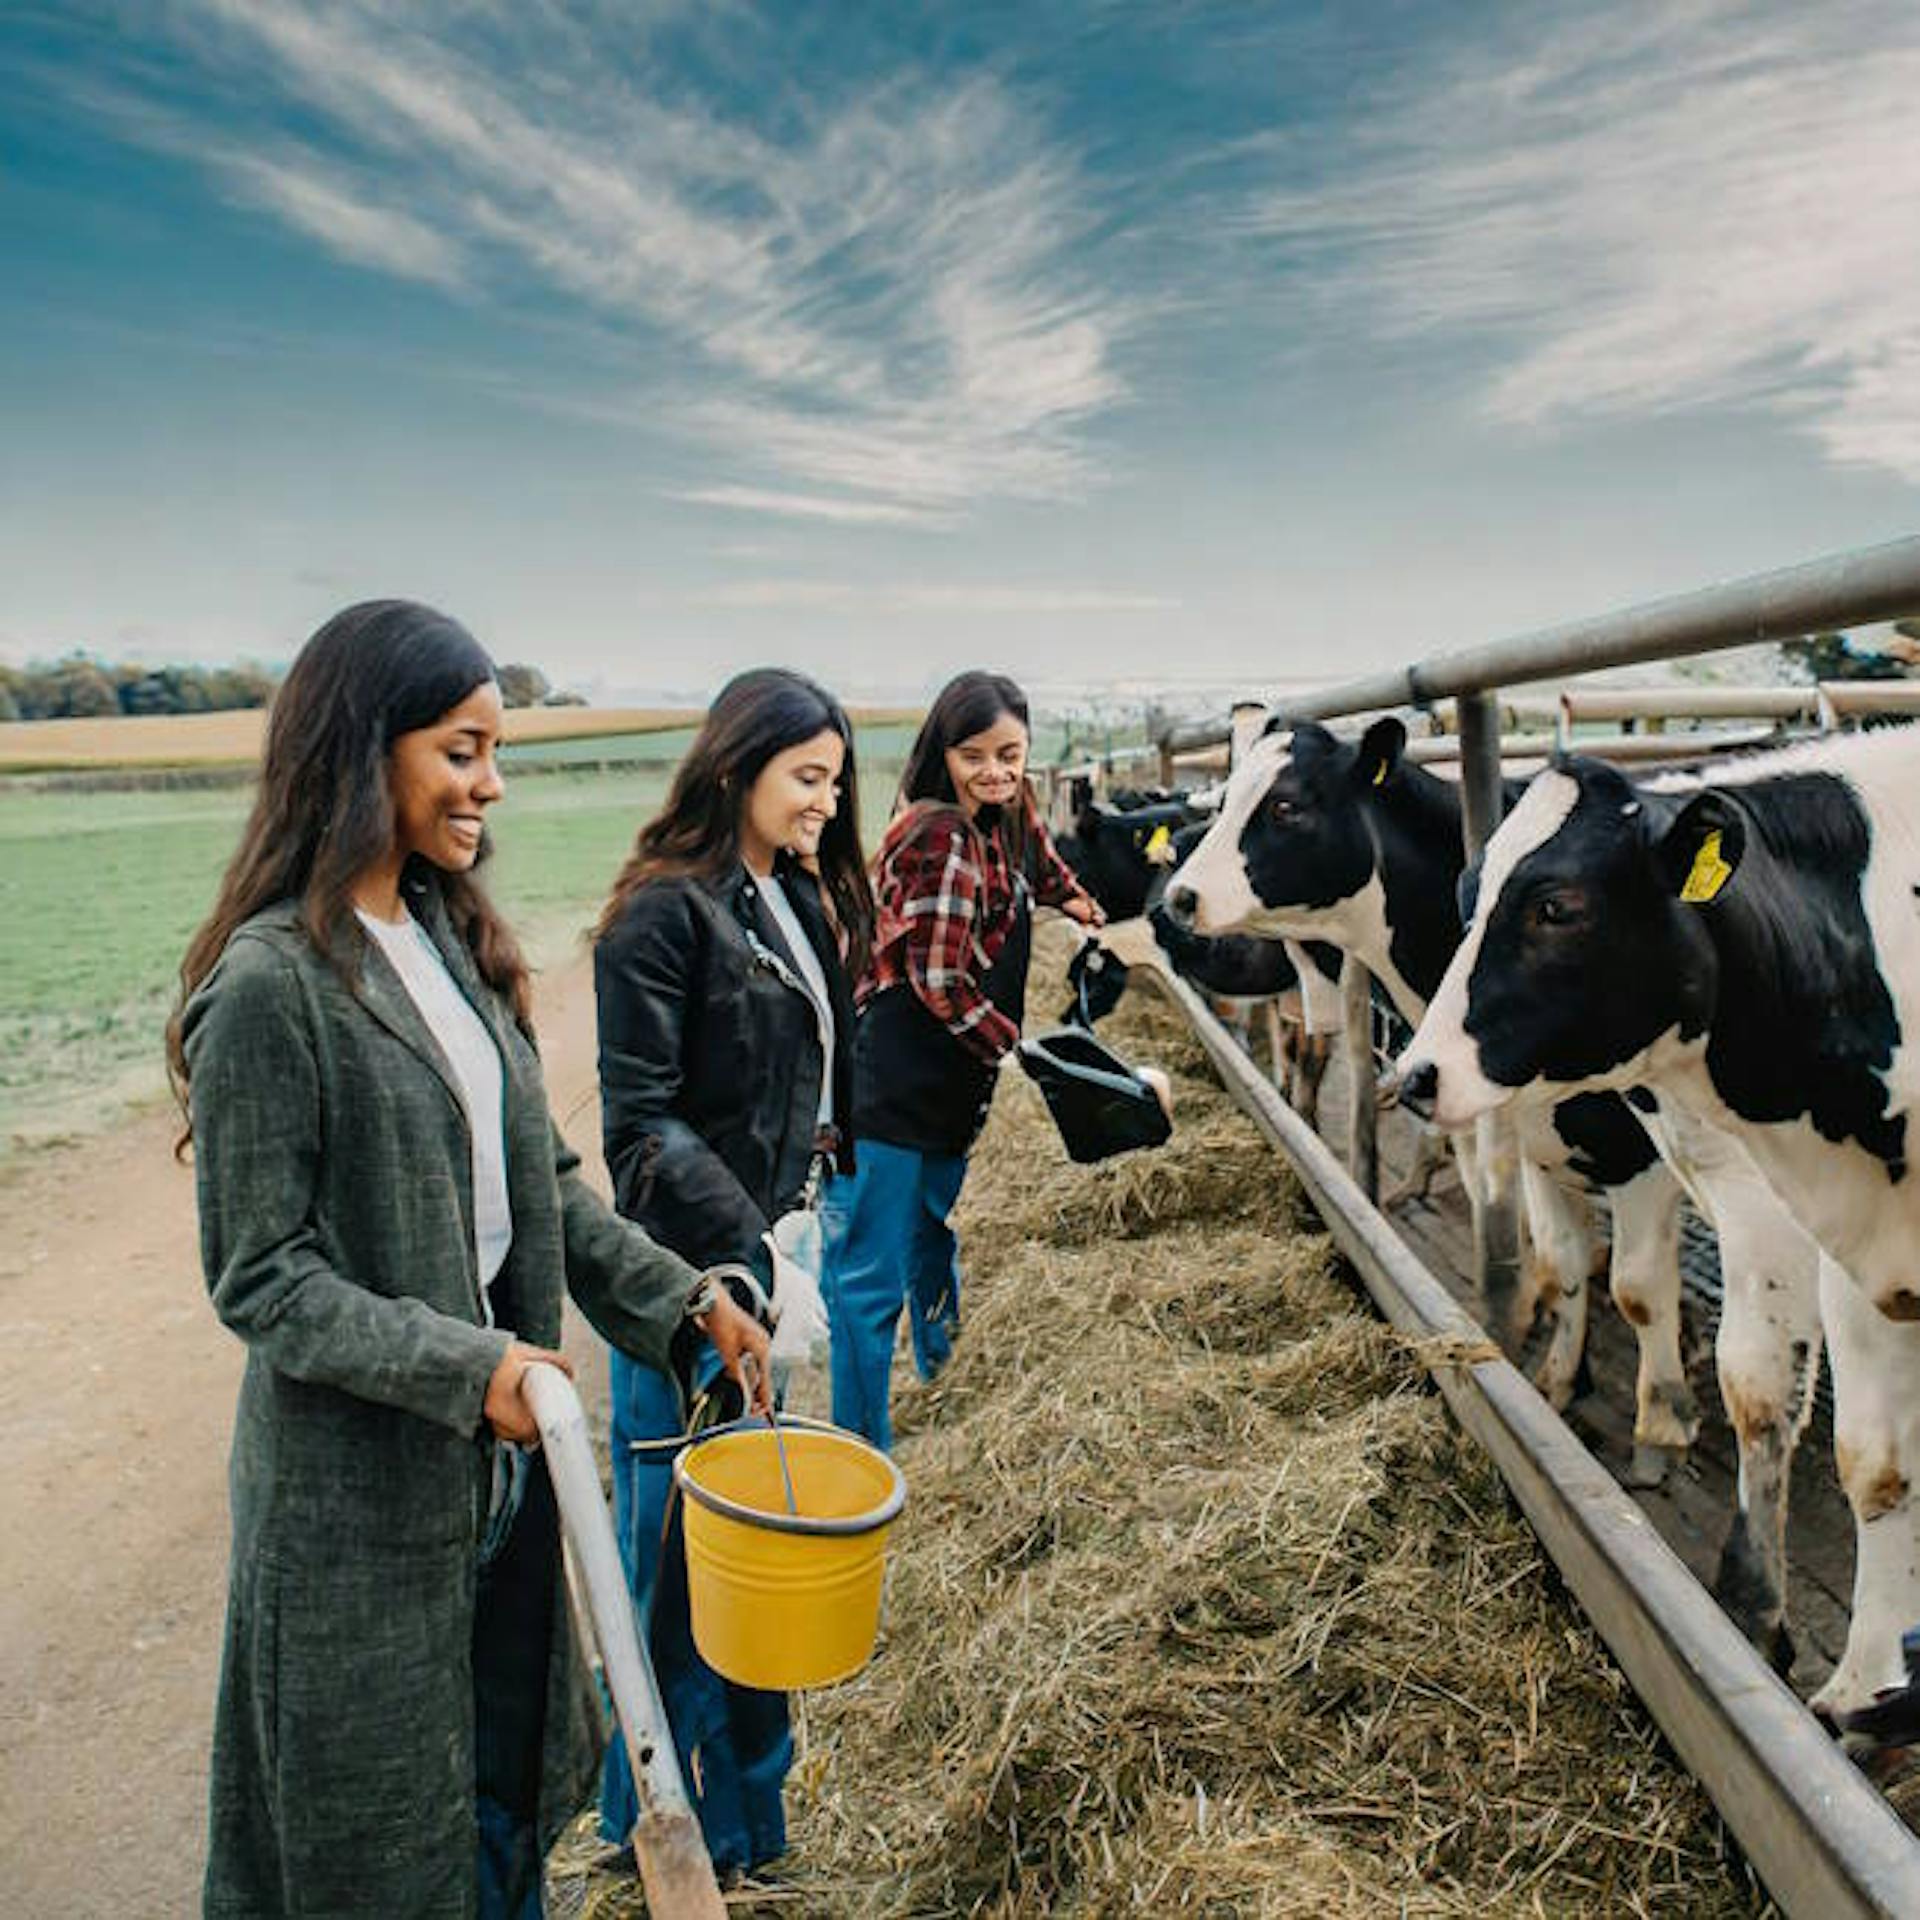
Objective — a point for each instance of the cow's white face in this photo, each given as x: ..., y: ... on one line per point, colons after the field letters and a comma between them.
x: 1211, y: 884
x: 1289, y: 847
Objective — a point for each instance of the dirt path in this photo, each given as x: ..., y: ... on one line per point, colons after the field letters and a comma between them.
x: 114, y: 1420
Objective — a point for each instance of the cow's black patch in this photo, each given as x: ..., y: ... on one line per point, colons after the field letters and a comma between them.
x: 1803, y: 1021
x: 1609, y: 1145
x: 1107, y: 850
x: 1582, y: 960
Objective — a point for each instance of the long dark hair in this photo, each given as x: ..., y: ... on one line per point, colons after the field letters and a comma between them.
x: 968, y: 704
x: 696, y: 833
x: 323, y: 812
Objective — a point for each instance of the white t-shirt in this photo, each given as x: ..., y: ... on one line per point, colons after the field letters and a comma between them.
x: 813, y: 975
x: 475, y: 1060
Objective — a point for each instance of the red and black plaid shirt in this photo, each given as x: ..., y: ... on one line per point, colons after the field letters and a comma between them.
x: 944, y: 897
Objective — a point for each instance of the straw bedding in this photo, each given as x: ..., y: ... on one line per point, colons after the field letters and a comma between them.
x: 1200, y: 1603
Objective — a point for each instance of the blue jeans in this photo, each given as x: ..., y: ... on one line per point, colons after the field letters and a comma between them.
x: 739, y: 1734
x: 888, y: 1245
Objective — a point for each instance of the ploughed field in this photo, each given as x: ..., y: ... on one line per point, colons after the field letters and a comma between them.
x: 1200, y: 1602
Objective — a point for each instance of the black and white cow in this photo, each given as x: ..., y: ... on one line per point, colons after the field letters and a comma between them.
x: 1122, y: 855
x: 1319, y: 838
x: 1745, y: 946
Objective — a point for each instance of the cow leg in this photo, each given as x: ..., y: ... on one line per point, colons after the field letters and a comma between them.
x: 1236, y: 1017
x: 1876, y: 1444
x: 1430, y: 1157
x: 1561, y: 1233
x: 1315, y: 1050
x: 1279, y: 1053
x: 1645, y: 1280
x: 1767, y: 1354
x: 1509, y: 1316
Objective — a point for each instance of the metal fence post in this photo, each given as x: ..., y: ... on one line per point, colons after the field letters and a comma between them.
x: 1363, y: 1134
x: 1496, y: 1219
x: 1244, y: 723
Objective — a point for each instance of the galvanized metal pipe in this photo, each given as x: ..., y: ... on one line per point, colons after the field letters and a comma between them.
x: 1363, y: 1108
x: 1873, y: 583
x: 1689, y: 703
x: 1625, y: 749
x: 1841, y: 590
x: 1496, y: 1214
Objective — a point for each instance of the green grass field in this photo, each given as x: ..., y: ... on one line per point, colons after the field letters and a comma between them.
x: 99, y: 893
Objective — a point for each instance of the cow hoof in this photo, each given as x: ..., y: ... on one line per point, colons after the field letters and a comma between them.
x: 1651, y: 1465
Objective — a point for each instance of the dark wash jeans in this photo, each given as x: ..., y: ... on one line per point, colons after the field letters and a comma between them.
x: 739, y: 1735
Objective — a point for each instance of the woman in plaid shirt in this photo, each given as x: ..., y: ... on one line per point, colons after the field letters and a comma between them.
x: 961, y: 867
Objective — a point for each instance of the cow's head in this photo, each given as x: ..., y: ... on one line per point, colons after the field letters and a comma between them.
x: 1585, y: 954
x: 1290, y: 843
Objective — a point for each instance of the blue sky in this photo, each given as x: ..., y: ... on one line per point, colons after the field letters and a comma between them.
x: 1140, y: 343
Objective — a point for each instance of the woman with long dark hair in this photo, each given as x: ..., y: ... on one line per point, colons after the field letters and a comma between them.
x: 721, y: 966
x: 387, y: 1219
x: 962, y: 865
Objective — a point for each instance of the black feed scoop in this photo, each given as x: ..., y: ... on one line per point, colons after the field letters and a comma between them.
x: 1101, y: 1106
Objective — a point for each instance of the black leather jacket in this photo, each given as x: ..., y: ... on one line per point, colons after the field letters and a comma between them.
x: 710, y: 1061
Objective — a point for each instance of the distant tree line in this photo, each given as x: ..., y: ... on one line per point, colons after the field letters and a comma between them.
x: 80, y: 687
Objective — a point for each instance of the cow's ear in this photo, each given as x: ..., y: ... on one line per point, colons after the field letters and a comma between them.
x: 1700, y: 852
x: 1379, y: 752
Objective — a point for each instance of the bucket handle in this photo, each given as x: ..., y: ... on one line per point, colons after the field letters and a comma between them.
x: 799, y: 1523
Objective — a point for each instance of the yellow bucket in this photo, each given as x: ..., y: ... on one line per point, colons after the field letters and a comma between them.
x: 786, y: 1600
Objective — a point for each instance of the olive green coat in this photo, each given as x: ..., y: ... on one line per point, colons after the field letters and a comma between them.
x: 336, y: 1223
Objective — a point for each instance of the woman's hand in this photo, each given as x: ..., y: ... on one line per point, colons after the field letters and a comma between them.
x: 1085, y: 909
x: 506, y: 1412
x: 734, y: 1333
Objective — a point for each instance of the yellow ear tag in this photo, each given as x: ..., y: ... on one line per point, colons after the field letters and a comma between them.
x: 1380, y: 778
x: 1159, y: 847
x: 1710, y: 873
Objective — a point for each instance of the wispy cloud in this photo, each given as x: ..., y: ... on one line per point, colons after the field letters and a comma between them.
x: 1650, y: 207
x: 369, y: 236
x: 840, y: 596
x: 812, y: 506
x: 884, y: 296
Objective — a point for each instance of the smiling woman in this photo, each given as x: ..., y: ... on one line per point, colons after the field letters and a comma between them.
x: 388, y: 1219
x: 726, y: 1015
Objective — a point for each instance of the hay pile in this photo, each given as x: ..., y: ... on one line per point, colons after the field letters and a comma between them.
x: 1201, y: 1604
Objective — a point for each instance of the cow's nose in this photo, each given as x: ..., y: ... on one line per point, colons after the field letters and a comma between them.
x: 1416, y: 1087
x: 1182, y: 904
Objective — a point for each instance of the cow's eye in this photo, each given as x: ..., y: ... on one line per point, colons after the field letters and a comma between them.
x: 1280, y: 810
x: 1555, y: 910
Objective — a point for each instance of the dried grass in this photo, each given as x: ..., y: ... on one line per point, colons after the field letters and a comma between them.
x: 1202, y: 1605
